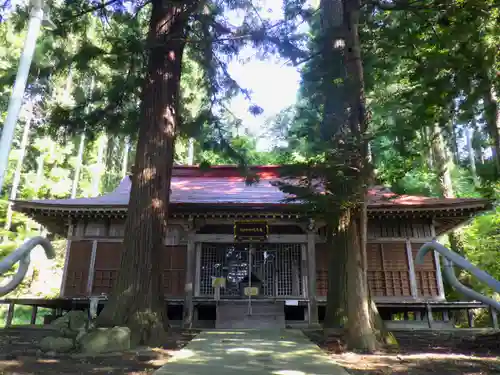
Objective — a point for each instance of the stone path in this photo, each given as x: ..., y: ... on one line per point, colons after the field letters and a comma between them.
x: 248, y: 352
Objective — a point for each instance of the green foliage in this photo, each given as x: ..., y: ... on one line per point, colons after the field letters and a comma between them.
x: 481, y: 244
x: 22, y: 315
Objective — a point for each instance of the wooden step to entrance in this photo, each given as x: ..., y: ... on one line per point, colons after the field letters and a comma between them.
x: 264, y: 314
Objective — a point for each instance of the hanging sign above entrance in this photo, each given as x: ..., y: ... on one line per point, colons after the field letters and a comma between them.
x: 251, y: 230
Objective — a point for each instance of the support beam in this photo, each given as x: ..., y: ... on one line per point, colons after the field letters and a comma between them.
x: 439, y: 275
x: 430, y: 318
x: 90, y: 280
x: 494, y: 318
x: 34, y: 312
x: 304, y: 272
x: 198, y: 269
x: 470, y: 318
x: 273, y: 238
x: 190, y: 280
x: 411, y: 268
x: 437, y: 263
x: 10, y: 314
x: 66, y: 259
x: 311, y: 272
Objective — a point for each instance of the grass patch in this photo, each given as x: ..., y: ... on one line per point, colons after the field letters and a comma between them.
x: 22, y: 314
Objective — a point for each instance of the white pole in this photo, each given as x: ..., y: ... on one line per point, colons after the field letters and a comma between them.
x: 16, y: 98
x: 19, y: 167
x: 190, y: 151
x: 79, y: 159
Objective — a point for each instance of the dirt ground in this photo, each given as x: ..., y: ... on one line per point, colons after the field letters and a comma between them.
x: 420, y: 353
x: 19, y: 355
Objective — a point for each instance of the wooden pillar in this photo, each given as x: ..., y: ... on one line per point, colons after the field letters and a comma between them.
x: 10, y: 315
x: 470, y: 318
x: 411, y: 269
x: 494, y: 317
x: 90, y: 280
x: 190, y: 280
x: 439, y: 276
x: 437, y: 264
x: 446, y: 315
x: 304, y: 273
x: 34, y: 312
x: 311, y: 273
x: 197, y: 269
x: 430, y: 318
x: 66, y: 258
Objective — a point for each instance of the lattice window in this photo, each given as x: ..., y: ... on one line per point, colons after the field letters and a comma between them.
x: 388, y: 272
x: 322, y: 269
x: 322, y: 283
x: 174, y: 270
x: 277, y: 266
x: 96, y: 229
x: 117, y: 229
x: 399, y: 228
x: 76, y: 282
x: 104, y: 281
x: 79, y: 230
x: 426, y: 274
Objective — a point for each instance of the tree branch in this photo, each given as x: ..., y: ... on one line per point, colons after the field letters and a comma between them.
x: 92, y: 9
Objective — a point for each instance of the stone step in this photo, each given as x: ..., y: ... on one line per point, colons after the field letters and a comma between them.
x: 263, y: 315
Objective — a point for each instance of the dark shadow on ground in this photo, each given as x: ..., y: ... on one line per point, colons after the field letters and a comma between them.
x: 19, y: 354
x: 420, y: 353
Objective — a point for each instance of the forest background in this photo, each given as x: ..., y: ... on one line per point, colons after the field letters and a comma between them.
x: 432, y: 83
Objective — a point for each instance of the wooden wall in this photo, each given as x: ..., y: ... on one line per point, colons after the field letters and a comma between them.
x: 77, y: 269
x: 107, y: 263
x: 426, y: 274
x: 388, y: 271
x: 399, y: 228
x: 388, y: 268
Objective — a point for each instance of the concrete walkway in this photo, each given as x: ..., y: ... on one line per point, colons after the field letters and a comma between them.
x: 249, y: 352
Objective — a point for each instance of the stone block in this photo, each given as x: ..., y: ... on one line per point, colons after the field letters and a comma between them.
x: 105, y: 340
x: 74, y: 320
x: 56, y: 344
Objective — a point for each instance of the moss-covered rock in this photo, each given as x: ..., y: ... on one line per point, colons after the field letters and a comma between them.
x: 57, y: 344
x: 105, y: 340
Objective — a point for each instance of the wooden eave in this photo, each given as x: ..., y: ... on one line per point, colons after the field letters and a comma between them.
x: 58, y: 217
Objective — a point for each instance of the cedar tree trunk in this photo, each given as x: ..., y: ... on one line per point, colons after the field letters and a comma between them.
x: 137, y: 299
x: 336, y: 312
x: 365, y: 329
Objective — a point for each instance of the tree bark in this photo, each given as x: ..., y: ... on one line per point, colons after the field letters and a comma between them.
x: 78, y: 166
x: 336, y: 311
x: 99, y: 166
x: 492, y: 116
x: 362, y: 318
x: 360, y: 332
x: 442, y: 162
x: 469, y: 133
x: 137, y: 299
x: 334, y: 120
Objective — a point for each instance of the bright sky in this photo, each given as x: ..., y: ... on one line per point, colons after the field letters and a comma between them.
x: 273, y: 84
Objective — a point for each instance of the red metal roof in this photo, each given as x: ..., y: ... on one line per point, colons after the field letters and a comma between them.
x: 224, y: 185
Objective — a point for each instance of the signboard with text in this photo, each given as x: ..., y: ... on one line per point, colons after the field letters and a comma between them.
x: 251, y: 230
